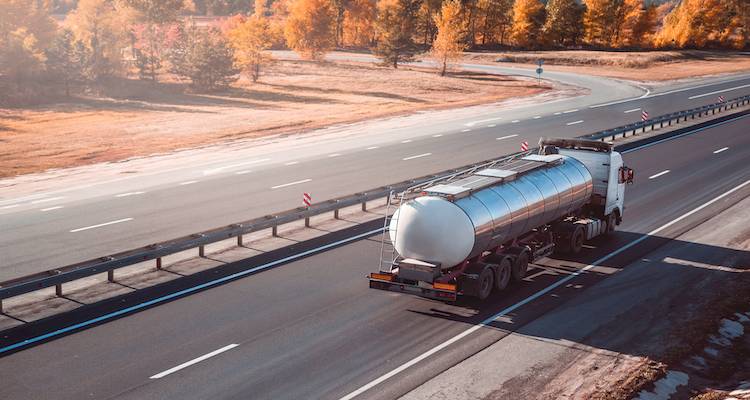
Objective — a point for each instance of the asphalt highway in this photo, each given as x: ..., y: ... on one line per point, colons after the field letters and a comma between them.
x: 73, y: 224
x: 312, y: 328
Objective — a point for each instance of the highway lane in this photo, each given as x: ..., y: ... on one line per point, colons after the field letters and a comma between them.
x: 37, y: 234
x: 311, y: 329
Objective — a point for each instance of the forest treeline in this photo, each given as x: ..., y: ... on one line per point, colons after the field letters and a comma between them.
x: 101, y: 38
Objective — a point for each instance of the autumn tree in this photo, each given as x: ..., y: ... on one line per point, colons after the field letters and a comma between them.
x: 156, y: 16
x: 564, y: 24
x: 494, y: 19
x: 359, y: 23
x: 699, y: 23
x: 67, y: 59
x: 605, y: 21
x: 643, y: 30
x: 251, y: 39
x: 424, y: 25
x: 310, y: 28
x: 204, y: 56
x: 395, y: 31
x: 528, y: 20
x: 26, y: 30
x: 448, y: 45
x: 102, y: 26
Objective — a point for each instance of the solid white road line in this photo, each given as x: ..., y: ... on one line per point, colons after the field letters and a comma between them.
x: 533, y: 297
x: 9, y: 206
x: 129, y: 194
x: 85, y: 228
x: 334, y: 155
x: 580, y: 121
x: 729, y: 121
x: 482, y: 121
x: 47, y: 200
x: 506, y: 137
x: 717, y: 92
x: 417, y: 156
x: 242, y: 164
x: 372, y: 148
x: 194, y: 361
x: 188, y: 183
x: 659, y: 174
x: 632, y: 111
x: 51, y: 208
x: 290, y: 184
x: 721, y: 149
x: 570, y: 111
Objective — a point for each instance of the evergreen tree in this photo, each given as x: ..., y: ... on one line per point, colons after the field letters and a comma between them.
x: 203, y: 56
x: 528, y: 20
x: 395, y: 31
x: 564, y: 24
x: 67, y: 59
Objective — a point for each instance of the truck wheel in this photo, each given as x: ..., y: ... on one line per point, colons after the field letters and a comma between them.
x: 576, y: 240
x: 520, y: 266
x: 611, y: 223
x: 486, y: 281
x: 504, y: 272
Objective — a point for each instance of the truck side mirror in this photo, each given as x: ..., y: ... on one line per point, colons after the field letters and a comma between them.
x: 627, y: 175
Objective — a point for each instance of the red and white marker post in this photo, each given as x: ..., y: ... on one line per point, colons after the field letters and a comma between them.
x: 722, y: 99
x: 644, y: 115
x: 524, y: 146
x: 307, y: 199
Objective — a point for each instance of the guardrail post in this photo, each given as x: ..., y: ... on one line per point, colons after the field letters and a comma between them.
x: 111, y: 275
x: 239, y: 240
x: 201, y: 251
x: 58, y: 290
x: 364, y: 206
x: 336, y: 214
x: 158, y: 263
x: 1, y: 306
x: 307, y: 222
x: 275, y: 231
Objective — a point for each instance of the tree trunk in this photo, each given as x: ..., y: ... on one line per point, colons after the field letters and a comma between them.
x: 445, y: 66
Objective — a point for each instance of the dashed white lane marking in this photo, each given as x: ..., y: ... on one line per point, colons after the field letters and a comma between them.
x: 721, y: 149
x: 406, y: 141
x: 129, y: 194
x: 580, y: 121
x: 85, y: 228
x: 9, y: 206
x: 633, y: 110
x: 194, y: 361
x: 489, y: 320
x: 482, y: 121
x: 659, y: 174
x: 47, y: 200
x: 515, y: 121
x: 698, y: 96
x: 537, y: 116
x: 372, y: 148
x: 466, y: 130
x: 417, y: 156
x: 247, y: 171
x: 491, y: 125
x: 438, y: 135
x: 242, y: 164
x: 558, y: 113
x: 506, y: 137
x: 290, y: 184
x: 51, y: 208
x: 187, y: 183
x: 292, y: 163
x: 570, y: 111
x: 334, y: 155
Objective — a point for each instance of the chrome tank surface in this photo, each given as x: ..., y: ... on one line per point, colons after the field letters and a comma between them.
x: 436, y: 230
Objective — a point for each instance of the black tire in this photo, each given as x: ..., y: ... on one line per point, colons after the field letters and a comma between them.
x: 520, y: 266
x: 504, y: 274
x: 486, y: 282
x: 576, y: 240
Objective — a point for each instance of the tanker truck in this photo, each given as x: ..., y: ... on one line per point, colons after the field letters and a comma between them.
x: 474, y: 233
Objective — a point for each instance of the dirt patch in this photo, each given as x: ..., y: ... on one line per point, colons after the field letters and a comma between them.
x: 134, y: 118
x: 639, y: 66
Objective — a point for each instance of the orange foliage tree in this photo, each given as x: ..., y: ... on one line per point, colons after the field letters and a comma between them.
x: 701, y: 23
x: 528, y: 19
x: 359, y: 23
x: 251, y: 39
x: 448, y: 44
x: 310, y: 29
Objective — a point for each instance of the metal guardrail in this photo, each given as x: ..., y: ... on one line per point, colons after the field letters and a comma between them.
x: 108, y: 264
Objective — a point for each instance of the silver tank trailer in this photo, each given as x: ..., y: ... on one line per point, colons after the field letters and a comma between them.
x: 433, y: 229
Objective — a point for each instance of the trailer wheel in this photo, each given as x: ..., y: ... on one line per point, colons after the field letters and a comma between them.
x: 520, y: 266
x: 576, y: 240
x: 504, y: 273
x: 486, y: 282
